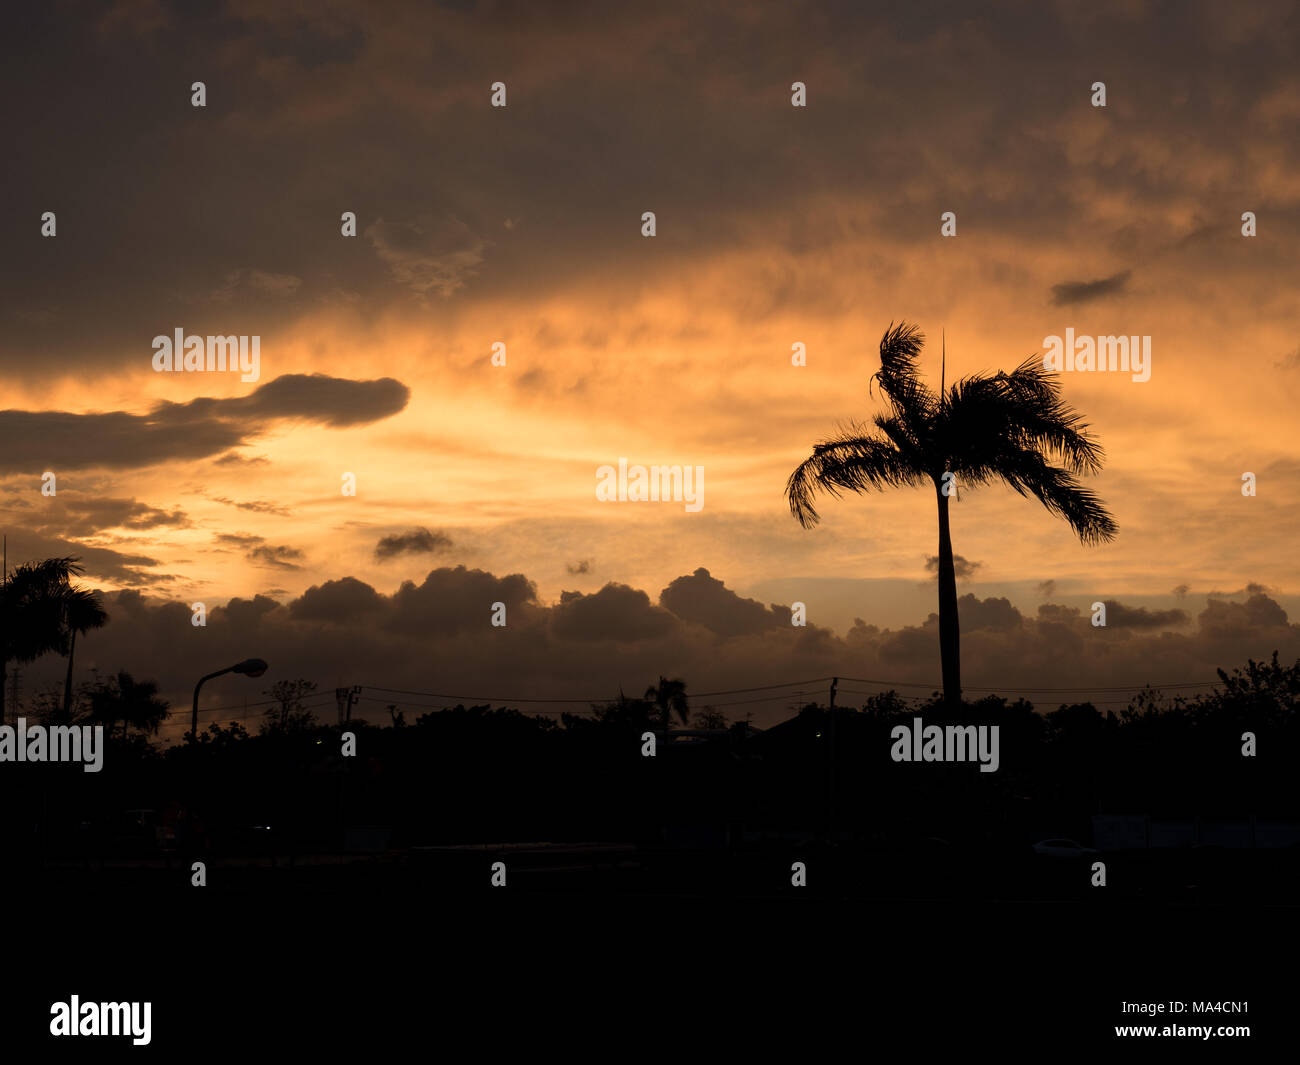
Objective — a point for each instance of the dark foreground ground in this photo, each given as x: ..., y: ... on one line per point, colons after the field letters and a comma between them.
x: 633, y: 954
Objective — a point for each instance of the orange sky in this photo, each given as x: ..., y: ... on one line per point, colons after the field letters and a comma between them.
x: 776, y: 225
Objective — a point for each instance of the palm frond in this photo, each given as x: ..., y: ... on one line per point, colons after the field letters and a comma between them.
x: 1028, y: 473
x: 851, y: 463
x: 898, y: 377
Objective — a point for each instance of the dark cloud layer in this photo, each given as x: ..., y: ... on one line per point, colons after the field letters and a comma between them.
x: 34, y: 441
x: 351, y: 98
x: 437, y: 636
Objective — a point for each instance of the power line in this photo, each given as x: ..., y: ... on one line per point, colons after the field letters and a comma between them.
x: 1025, y: 688
x: 603, y: 699
x: 480, y: 698
x: 885, y: 685
x: 478, y: 702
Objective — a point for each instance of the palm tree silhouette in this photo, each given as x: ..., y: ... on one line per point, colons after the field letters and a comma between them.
x: 83, y: 611
x: 669, y: 696
x: 133, y: 702
x: 33, y: 612
x: 986, y: 427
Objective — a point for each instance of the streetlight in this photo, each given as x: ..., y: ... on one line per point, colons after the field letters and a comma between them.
x: 250, y: 667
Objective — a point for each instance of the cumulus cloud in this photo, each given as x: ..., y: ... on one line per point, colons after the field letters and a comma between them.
x: 338, y: 602
x: 961, y: 566
x: 616, y: 612
x: 460, y: 599
x: 706, y: 601
x: 437, y: 636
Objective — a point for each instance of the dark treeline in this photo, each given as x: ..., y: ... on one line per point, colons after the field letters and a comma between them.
x: 494, y: 774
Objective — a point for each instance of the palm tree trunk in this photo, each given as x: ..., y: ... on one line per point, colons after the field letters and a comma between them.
x: 67, y: 682
x: 949, y: 628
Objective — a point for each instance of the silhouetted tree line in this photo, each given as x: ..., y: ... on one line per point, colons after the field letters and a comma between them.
x: 492, y: 774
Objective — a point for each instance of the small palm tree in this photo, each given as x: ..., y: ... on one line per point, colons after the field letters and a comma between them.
x: 133, y: 702
x: 986, y: 427
x: 670, y: 697
x: 83, y: 611
x: 33, y: 613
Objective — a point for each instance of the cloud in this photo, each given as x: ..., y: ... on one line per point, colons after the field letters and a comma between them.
x: 437, y: 636
x: 234, y: 458
x: 460, y: 599
x: 961, y: 567
x: 317, y: 397
x: 1047, y: 588
x: 38, y: 440
x: 338, y: 601
x: 992, y: 613
x: 257, y: 506
x: 707, y: 601
x: 1235, y: 621
x: 579, y: 567
x: 245, y: 615
x: 1119, y: 616
x: 103, y: 563
x: 1068, y: 293
x: 76, y: 514
x: 258, y: 551
x: 428, y: 254
x: 416, y: 542
x: 243, y: 283
x: 279, y: 556
x: 238, y: 539
x: 616, y: 612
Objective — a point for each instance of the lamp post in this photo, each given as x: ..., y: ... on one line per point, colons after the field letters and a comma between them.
x: 250, y: 667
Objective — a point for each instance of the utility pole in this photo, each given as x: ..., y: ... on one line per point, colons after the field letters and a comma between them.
x: 835, y: 683
x: 15, y: 687
x: 4, y: 634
